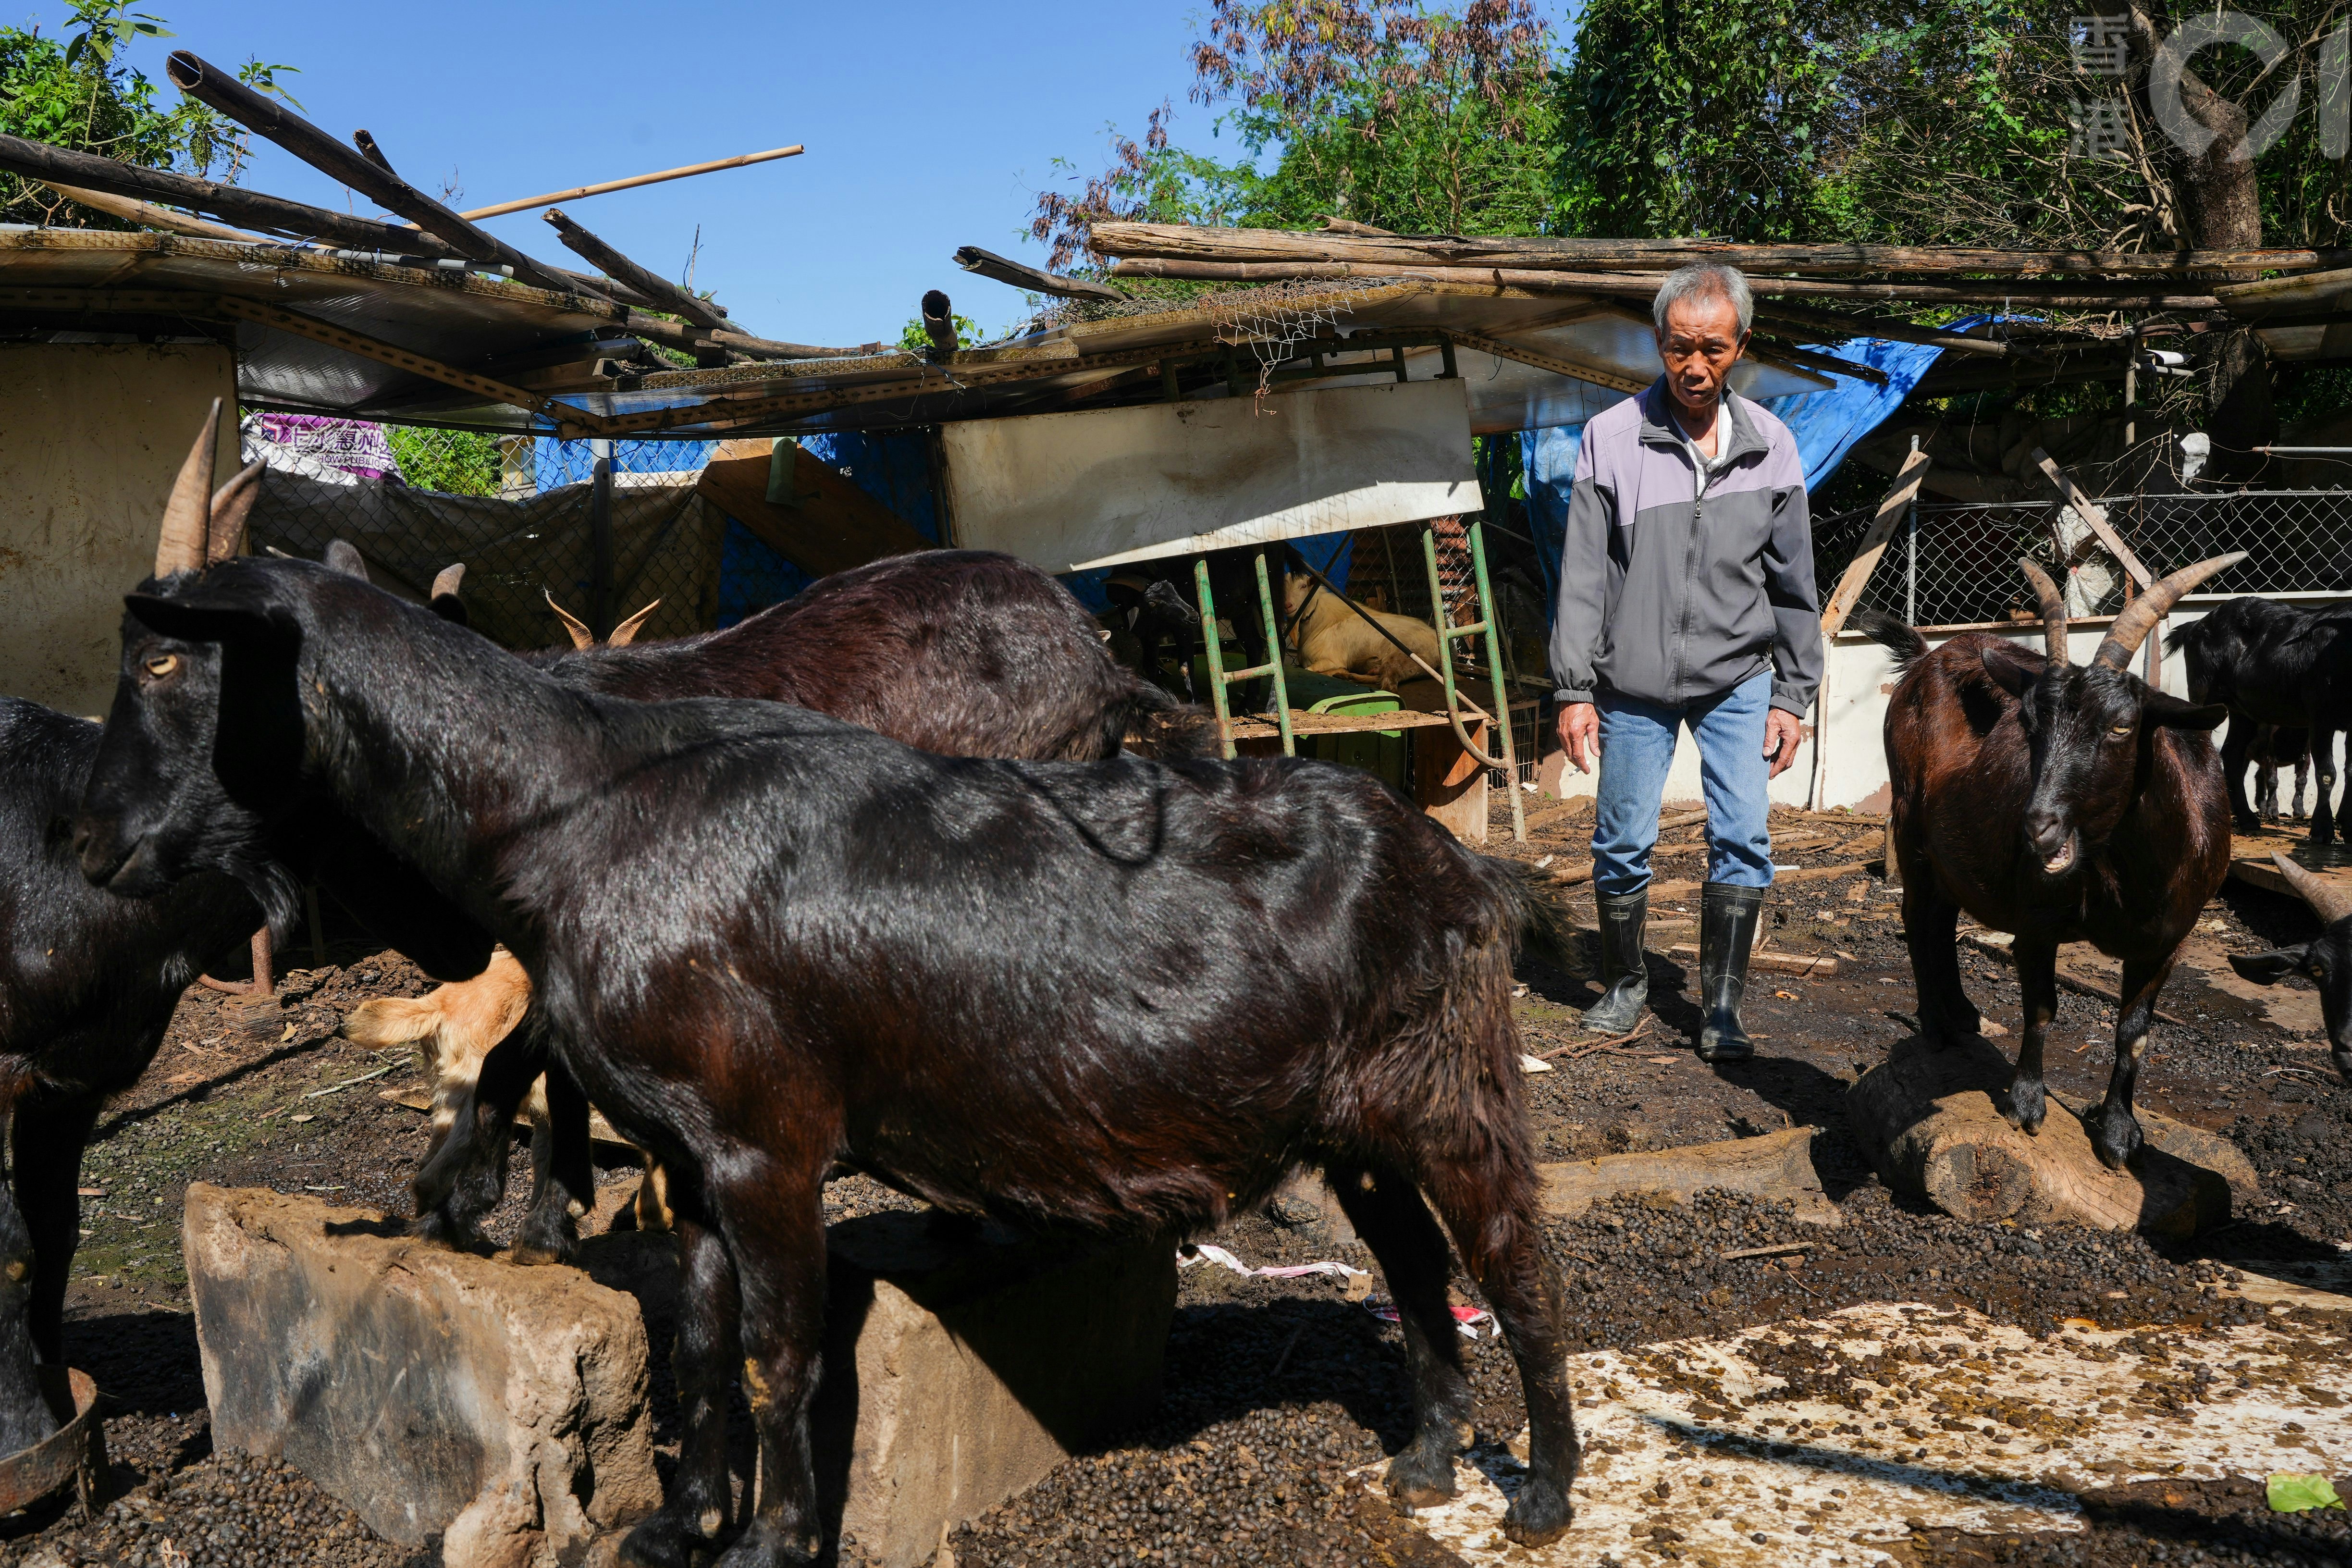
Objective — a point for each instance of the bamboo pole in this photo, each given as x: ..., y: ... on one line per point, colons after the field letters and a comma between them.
x: 666, y: 295
x: 147, y: 215
x: 1837, y: 323
x: 1021, y: 275
x: 1186, y: 242
x: 274, y: 214
x: 740, y: 160
x: 208, y: 84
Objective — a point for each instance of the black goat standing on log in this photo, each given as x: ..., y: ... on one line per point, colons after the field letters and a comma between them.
x: 2061, y: 803
x: 2273, y: 665
x: 962, y: 652
x: 87, y: 984
x: 1128, y: 995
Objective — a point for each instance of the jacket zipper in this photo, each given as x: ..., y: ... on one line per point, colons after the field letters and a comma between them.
x: 1690, y: 571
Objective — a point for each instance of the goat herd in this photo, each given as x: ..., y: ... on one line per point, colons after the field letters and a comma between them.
x: 871, y: 881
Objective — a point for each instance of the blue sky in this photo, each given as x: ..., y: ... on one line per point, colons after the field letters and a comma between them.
x: 927, y: 126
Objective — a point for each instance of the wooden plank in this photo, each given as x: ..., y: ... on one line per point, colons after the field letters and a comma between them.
x: 2094, y: 514
x: 1251, y: 728
x: 1856, y: 576
x: 835, y: 526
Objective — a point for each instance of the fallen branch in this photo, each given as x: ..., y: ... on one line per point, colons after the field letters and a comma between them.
x: 2066, y: 982
x: 337, y: 1088
x: 1587, y: 1047
x: 1781, y: 1250
x: 1798, y: 963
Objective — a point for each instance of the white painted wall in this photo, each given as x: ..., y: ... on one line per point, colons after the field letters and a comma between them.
x: 91, y: 435
x: 1860, y: 674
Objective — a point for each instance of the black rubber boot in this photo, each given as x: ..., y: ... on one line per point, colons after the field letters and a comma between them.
x: 1624, y: 977
x: 1726, y: 932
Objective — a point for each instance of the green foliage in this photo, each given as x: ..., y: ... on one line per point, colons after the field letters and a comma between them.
x: 913, y: 340
x: 453, y: 462
x: 74, y: 94
x: 1388, y: 113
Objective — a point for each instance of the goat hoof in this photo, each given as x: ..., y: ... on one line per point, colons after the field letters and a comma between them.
x: 664, y: 1541
x: 2343, y: 1064
x: 763, y: 1546
x: 534, y: 1255
x: 1421, y: 1477
x: 437, y: 1228
x: 2116, y: 1140
x: 2026, y: 1108
x: 1539, y: 1515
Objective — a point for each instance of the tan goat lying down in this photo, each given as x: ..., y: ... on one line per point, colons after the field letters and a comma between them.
x: 1334, y: 640
x: 453, y: 1027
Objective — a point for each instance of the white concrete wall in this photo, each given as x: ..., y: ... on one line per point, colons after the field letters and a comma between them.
x: 1860, y: 676
x: 91, y: 435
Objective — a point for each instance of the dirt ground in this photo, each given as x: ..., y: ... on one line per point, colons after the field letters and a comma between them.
x: 1283, y: 1396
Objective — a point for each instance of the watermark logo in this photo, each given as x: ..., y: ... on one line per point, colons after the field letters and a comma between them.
x: 2101, y: 47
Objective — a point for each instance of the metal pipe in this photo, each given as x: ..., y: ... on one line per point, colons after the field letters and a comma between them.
x: 600, y: 539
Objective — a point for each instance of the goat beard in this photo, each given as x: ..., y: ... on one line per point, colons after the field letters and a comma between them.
x: 275, y: 888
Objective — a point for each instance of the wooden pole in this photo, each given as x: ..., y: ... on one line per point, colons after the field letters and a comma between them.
x: 740, y: 160
x: 1187, y: 242
x: 1836, y: 323
x: 266, y: 117
x: 2092, y: 295
x: 600, y: 541
x: 274, y: 214
x: 1891, y: 510
x: 666, y: 295
x: 2094, y: 514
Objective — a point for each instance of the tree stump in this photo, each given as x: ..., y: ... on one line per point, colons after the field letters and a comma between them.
x: 1929, y: 1119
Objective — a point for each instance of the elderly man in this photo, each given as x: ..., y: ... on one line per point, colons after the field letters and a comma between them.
x: 1687, y: 598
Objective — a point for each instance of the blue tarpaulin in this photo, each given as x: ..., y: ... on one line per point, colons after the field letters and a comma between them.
x: 893, y: 467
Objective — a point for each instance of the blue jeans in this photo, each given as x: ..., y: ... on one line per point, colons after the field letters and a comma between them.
x: 1637, y: 746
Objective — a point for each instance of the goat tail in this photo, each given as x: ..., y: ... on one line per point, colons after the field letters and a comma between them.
x: 1893, y: 633
x: 1152, y: 723
x: 1539, y: 919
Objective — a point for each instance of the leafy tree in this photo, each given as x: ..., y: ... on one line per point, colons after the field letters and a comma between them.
x: 75, y: 94
x: 453, y: 462
x: 1387, y: 112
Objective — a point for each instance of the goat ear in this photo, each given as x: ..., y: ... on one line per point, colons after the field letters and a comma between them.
x: 198, y: 621
x: 2268, y: 968
x: 2009, y: 668
x: 2163, y: 708
x: 343, y: 556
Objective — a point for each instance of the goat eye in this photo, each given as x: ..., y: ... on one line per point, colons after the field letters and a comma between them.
x: 163, y: 664
x: 2120, y: 731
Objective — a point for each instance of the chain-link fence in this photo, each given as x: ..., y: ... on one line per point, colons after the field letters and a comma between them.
x: 1957, y: 565
x: 527, y: 517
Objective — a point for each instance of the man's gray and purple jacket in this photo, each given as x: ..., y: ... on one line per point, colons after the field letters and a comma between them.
x: 1672, y: 597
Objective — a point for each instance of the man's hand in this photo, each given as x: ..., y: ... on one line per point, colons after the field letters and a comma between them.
x: 1579, y: 734
x: 1780, y: 737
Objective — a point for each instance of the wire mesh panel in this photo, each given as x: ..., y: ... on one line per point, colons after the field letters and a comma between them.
x: 1956, y: 566
x: 520, y: 514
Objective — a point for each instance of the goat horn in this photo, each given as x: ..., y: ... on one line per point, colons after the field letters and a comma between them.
x: 2053, y: 611
x: 180, y: 546
x: 2326, y: 900
x: 343, y: 556
x: 232, y: 504
x: 580, y: 635
x: 2130, y: 628
x: 626, y: 632
x: 447, y: 583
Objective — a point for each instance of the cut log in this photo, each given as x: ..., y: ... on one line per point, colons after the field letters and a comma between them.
x: 1808, y: 964
x: 1927, y: 1119
x: 1777, y: 1165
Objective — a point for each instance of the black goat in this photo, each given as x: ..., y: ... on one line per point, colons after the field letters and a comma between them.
x: 2325, y: 959
x: 2063, y: 804
x: 2273, y: 664
x: 2276, y: 749
x: 1126, y: 994
x: 963, y: 652
x: 87, y: 983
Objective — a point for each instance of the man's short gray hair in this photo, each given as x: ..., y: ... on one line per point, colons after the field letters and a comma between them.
x: 1702, y: 279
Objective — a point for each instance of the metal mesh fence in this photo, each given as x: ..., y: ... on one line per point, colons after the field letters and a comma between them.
x: 526, y: 516
x: 1957, y: 565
